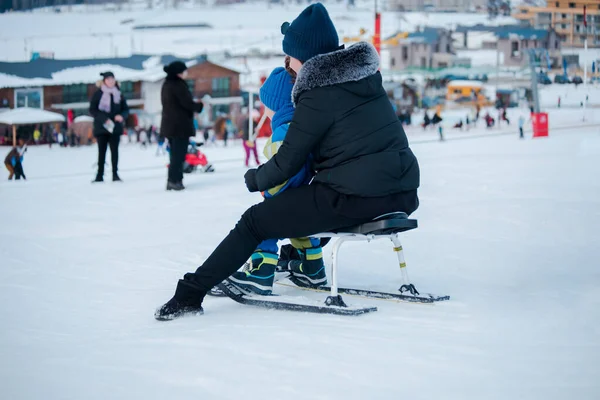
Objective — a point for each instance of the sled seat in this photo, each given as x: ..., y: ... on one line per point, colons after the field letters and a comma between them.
x: 386, y: 224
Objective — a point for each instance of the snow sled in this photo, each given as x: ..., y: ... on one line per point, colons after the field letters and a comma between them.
x: 196, y: 160
x: 388, y: 226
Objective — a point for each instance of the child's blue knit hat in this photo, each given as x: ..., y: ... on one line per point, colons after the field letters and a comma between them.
x: 276, y: 92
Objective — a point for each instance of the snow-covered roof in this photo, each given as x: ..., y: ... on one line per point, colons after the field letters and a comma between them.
x: 465, y: 83
x: 69, y: 72
x: 26, y: 115
x: 71, y: 76
x: 83, y: 118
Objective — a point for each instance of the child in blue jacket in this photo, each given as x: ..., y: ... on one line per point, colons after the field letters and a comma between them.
x: 258, y: 276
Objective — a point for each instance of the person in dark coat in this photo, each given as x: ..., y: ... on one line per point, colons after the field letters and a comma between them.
x: 109, y: 109
x: 14, y: 160
x: 364, y: 166
x: 177, y: 125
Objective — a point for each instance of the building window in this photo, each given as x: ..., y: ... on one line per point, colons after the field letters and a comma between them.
x: 557, y: 4
x: 191, y: 84
x: 514, y: 49
x: 571, y: 5
x: 563, y: 26
x: 29, y: 98
x: 393, y: 62
x: 577, y: 28
x: 437, y: 48
x: 448, y: 49
x: 75, y: 93
x: 423, y: 62
x: 220, y: 87
x: 219, y: 110
x: 404, y: 53
x: 127, y: 90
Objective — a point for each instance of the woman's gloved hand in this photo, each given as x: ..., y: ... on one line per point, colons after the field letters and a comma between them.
x: 250, y: 178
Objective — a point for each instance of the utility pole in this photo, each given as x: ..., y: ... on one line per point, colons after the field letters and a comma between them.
x: 585, y: 61
x: 377, y: 36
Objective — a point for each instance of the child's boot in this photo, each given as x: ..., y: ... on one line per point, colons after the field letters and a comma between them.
x: 258, y: 276
x: 310, y: 267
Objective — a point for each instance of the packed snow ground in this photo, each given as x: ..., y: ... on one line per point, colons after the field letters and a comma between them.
x: 508, y: 229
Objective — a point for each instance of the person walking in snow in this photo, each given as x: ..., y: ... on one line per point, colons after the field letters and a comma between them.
x: 505, y: 116
x: 177, y: 123
x: 365, y: 167
x: 14, y: 161
x: 109, y: 109
x: 160, y: 147
x: 248, y: 141
x: 276, y: 95
x: 521, y: 125
x: 220, y: 129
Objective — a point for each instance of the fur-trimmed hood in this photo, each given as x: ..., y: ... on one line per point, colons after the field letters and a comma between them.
x: 347, y: 65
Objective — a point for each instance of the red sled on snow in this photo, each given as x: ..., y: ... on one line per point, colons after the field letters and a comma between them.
x: 195, y: 159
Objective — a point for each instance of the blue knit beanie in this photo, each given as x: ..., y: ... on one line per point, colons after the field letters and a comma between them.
x: 276, y: 92
x: 311, y: 34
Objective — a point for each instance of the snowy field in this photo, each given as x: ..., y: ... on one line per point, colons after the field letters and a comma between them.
x: 89, y: 31
x: 508, y: 229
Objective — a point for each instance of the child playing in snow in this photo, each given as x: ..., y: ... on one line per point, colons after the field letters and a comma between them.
x: 258, y: 276
x: 14, y: 161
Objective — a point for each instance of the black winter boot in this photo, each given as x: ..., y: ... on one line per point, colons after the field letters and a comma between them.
x: 99, y: 178
x: 186, y: 301
x: 178, y: 186
x: 116, y: 177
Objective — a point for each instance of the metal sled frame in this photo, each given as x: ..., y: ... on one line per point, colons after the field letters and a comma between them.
x: 388, y: 226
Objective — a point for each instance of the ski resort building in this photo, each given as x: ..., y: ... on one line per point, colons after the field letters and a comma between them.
x: 62, y: 85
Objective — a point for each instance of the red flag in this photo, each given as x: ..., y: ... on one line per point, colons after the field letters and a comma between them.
x: 584, y: 17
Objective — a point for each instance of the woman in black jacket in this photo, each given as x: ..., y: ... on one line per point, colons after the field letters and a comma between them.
x: 178, y: 108
x: 109, y: 109
x: 343, y: 118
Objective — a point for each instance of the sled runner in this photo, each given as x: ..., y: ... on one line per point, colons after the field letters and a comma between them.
x: 388, y: 226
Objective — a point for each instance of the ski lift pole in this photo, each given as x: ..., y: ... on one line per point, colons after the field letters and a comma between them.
x: 250, y: 120
x: 585, y: 47
x: 534, y: 83
x: 585, y: 55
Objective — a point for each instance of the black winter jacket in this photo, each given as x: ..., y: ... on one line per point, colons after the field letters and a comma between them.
x: 178, y: 108
x: 100, y: 116
x: 344, y: 119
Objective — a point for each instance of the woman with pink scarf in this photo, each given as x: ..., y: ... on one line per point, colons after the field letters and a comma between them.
x: 109, y: 109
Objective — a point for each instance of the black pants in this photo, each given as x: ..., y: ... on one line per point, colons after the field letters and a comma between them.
x: 103, y: 142
x: 297, y: 212
x: 19, y: 171
x: 178, y: 151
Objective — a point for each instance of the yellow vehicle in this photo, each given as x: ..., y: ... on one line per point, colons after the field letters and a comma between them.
x: 362, y: 37
x: 464, y: 90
